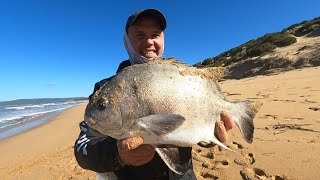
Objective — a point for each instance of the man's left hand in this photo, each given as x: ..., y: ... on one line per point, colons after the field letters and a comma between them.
x: 223, y: 125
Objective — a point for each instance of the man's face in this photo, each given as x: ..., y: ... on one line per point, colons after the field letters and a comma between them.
x: 146, y: 37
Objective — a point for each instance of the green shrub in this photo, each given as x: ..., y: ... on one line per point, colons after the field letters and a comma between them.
x: 207, y: 61
x: 308, y: 26
x: 291, y: 27
x: 279, y: 39
x: 286, y: 41
x: 282, y: 39
x: 306, y: 29
x: 260, y: 49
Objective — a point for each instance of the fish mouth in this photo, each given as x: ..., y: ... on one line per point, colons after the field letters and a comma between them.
x: 90, y: 120
x: 96, y: 124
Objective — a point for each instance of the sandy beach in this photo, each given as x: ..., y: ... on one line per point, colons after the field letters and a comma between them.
x: 45, y: 152
x: 286, y: 140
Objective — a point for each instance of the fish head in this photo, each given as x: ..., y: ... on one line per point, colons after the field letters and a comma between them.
x: 104, y: 115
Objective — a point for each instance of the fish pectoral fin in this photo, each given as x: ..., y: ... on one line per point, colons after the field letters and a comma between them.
x: 171, y: 157
x: 160, y: 123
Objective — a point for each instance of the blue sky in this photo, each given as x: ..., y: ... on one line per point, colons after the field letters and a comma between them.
x: 60, y: 48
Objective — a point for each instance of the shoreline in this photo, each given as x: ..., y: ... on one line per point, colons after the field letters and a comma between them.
x: 57, y: 118
x: 29, y: 124
x: 45, y: 151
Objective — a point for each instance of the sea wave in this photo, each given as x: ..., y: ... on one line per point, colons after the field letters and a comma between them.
x: 31, y: 114
x: 18, y: 114
x: 39, y: 105
x: 16, y: 108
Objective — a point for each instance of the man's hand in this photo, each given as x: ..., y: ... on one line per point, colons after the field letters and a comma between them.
x: 133, y: 152
x: 223, y: 125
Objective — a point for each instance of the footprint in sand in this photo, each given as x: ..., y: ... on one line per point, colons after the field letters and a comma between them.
x: 263, y: 95
x: 284, y: 100
x: 269, y: 116
x: 253, y: 173
x: 251, y: 158
x: 210, y: 175
x: 256, y: 173
x: 221, y: 164
x: 309, y: 101
x: 306, y: 95
x: 237, y: 145
x: 314, y: 108
x: 246, y: 160
x: 206, y: 153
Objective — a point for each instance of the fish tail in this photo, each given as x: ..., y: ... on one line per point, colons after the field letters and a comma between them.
x: 245, y: 120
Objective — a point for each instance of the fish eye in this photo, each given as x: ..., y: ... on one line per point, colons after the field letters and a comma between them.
x: 101, y: 104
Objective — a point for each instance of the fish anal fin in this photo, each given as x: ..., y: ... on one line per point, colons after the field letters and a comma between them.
x: 171, y: 157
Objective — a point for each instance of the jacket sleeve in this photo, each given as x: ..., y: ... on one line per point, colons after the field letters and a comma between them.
x: 95, y: 151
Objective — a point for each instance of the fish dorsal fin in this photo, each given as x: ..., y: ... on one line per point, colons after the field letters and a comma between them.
x: 171, y: 157
x: 175, y: 62
x: 215, y: 73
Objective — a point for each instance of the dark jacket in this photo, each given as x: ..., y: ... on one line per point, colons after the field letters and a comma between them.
x: 98, y: 152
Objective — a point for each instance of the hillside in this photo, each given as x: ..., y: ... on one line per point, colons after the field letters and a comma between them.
x: 294, y: 47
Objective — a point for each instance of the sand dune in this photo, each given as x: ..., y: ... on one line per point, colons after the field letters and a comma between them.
x: 286, y: 139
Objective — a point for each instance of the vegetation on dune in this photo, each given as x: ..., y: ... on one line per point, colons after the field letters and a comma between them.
x: 256, y: 47
x: 304, y: 27
x: 262, y: 45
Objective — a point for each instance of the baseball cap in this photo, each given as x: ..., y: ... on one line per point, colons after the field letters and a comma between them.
x: 147, y: 12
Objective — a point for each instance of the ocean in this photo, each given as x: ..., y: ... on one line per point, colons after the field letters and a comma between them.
x: 20, y: 115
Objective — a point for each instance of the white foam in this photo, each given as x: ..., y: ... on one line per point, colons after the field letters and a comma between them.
x: 18, y: 114
x: 3, y: 119
x: 16, y: 108
x: 24, y: 107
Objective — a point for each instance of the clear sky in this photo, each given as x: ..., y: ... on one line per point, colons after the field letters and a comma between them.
x: 60, y: 48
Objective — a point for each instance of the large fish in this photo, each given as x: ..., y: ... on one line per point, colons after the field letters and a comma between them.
x: 166, y: 102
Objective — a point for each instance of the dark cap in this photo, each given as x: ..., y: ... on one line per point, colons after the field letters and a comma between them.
x: 147, y: 12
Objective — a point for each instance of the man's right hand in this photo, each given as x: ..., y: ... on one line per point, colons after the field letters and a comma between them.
x: 133, y: 152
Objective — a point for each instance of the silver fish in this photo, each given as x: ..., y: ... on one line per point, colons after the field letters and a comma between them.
x: 166, y: 102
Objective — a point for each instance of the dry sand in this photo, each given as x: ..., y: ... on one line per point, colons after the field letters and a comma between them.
x: 286, y: 140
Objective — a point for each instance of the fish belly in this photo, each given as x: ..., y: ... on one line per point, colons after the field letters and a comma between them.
x: 183, y: 137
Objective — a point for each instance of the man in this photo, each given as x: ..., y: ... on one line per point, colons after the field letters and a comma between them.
x: 144, y: 41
